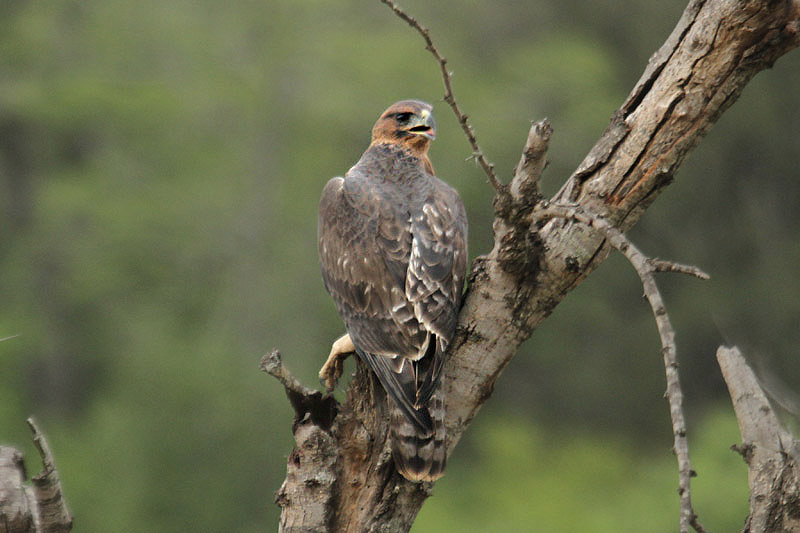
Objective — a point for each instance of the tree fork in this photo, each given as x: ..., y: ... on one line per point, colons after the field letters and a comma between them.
x: 341, y: 478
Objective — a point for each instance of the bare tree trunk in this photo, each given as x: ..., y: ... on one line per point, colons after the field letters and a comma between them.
x: 340, y: 477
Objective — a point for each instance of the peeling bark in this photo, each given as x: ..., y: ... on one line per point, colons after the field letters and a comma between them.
x: 341, y: 478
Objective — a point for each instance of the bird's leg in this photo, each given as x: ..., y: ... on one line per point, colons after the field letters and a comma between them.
x: 331, y: 371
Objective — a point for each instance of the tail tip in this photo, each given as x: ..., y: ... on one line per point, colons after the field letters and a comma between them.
x: 418, y: 471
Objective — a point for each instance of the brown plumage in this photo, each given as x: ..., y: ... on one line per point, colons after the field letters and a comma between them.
x: 393, y: 252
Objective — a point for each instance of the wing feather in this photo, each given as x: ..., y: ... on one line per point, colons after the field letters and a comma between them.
x: 436, y: 274
x: 363, y: 251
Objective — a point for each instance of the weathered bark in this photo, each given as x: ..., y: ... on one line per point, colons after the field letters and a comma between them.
x: 340, y: 476
x: 770, y: 451
x: 16, y: 499
x: 38, y: 508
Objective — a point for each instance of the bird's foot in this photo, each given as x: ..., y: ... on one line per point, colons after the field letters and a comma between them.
x: 332, y: 370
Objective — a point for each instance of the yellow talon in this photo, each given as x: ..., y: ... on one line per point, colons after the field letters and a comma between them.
x: 332, y: 370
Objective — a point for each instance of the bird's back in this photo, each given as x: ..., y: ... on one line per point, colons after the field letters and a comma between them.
x: 393, y: 255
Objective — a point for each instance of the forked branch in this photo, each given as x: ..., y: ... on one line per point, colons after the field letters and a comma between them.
x: 645, y: 267
x: 344, y: 471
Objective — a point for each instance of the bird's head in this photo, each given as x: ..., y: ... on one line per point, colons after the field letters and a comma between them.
x: 409, y: 123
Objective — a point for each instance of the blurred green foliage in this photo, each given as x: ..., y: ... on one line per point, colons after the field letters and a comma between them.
x: 527, y: 479
x: 160, y: 165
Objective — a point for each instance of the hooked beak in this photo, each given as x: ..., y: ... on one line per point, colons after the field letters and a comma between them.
x: 424, y: 125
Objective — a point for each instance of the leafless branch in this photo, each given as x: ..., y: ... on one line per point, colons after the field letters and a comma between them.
x: 272, y: 364
x: 772, y: 454
x: 525, y: 184
x: 340, y: 476
x: 659, y: 265
x: 309, y: 404
x: 52, y: 508
x: 450, y: 98
x: 645, y: 267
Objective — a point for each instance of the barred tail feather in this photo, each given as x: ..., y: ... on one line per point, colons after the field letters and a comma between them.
x: 419, y: 455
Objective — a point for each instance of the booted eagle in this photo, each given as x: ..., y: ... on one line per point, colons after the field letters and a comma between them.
x: 393, y: 252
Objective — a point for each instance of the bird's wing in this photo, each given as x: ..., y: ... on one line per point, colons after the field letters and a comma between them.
x: 435, y: 276
x: 364, y: 246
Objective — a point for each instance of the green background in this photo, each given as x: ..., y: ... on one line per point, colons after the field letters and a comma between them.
x: 160, y: 167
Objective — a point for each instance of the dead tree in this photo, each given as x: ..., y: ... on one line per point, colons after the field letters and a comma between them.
x: 340, y: 476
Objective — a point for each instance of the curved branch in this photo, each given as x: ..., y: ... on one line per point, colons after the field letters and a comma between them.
x: 463, y: 120
x: 717, y: 47
x: 645, y: 267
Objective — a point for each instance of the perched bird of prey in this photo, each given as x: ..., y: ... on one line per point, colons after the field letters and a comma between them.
x: 393, y: 252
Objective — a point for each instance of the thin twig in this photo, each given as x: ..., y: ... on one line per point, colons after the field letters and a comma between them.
x: 449, y: 97
x: 659, y: 265
x: 41, y: 445
x: 645, y: 267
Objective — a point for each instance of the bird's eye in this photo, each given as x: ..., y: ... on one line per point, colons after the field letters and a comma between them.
x: 403, y: 118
